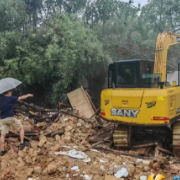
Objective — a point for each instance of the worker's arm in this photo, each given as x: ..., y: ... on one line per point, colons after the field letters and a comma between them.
x: 25, y: 97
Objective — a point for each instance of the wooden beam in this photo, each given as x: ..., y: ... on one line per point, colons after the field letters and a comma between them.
x: 25, y: 137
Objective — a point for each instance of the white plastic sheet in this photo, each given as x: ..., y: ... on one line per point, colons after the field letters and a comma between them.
x: 75, y: 168
x: 121, y: 173
x: 75, y: 154
x: 143, y: 178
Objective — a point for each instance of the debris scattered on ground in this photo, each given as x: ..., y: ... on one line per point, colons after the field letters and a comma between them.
x: 41, y: 159
x: 78, y: 149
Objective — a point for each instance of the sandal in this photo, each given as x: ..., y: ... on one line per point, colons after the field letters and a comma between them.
x: 3, y: 152
x: 22, y: 145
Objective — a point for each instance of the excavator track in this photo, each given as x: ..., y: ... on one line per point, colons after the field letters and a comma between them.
x: 176, y: 138
x: 121, y: 136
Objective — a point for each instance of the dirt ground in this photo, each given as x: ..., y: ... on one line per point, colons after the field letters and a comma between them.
x: 68, y: 155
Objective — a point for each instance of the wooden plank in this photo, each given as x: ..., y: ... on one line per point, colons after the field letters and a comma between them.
x: 164, y: 151
x: 80, y: 102
x: 94, y: 108
x: 18, y: 135
x: 95, y: 112
x: 141, y: 151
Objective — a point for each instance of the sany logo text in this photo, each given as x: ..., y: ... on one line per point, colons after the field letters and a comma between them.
x: 124, y: 113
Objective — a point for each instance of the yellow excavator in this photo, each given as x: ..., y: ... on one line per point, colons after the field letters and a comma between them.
x: 139, y: 101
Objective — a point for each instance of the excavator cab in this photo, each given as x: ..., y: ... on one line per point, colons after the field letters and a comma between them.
x: 131, y: 74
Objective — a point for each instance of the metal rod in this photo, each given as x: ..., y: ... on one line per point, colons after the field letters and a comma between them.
x: 176, y: 29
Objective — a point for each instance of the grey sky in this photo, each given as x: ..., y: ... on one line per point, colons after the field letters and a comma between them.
x: 142, y: 2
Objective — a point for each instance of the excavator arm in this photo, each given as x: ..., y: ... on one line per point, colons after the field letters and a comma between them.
x: 164, y: 41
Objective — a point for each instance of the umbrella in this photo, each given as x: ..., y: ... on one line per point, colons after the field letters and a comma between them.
x: 8, y: 84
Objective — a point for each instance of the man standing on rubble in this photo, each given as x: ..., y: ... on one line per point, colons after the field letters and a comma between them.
x: 8, y: 120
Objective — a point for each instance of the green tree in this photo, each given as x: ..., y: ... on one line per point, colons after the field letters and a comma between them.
x: 161, y: 15
x: 130, y: 40
x: 12, y: 14
x: 103, y: 10
x: 33, y: 7
x: 55, y: 58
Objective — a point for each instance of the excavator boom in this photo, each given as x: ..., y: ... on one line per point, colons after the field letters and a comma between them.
x: 164, y: 41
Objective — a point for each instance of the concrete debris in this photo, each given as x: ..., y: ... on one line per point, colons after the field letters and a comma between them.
x: 109, y: 177
x: 42, y: 141
x: 52, y: 168
x: 37, y: 170
x: 78, y: 150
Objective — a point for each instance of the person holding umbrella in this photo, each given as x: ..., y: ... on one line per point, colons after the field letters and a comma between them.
x: 7, y: 115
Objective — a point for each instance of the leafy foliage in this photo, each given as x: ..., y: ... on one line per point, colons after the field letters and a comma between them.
x: 12, y: 14
x: 58, y: 56
x: 161, y: 15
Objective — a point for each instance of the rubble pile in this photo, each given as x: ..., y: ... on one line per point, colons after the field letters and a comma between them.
x: 72, y: 148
